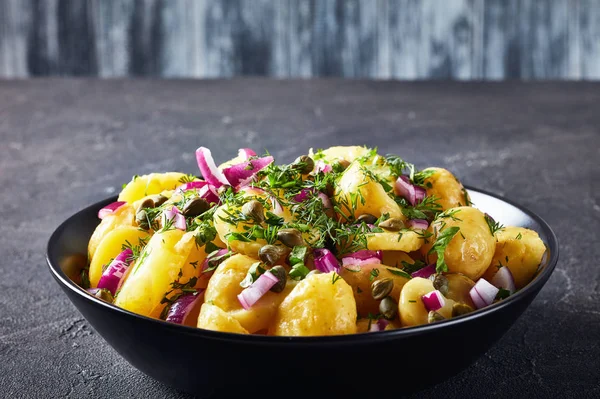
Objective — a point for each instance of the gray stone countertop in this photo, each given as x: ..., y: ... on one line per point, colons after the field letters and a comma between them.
x: 66, y: 143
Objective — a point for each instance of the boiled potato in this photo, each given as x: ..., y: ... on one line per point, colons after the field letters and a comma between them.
x: 411, y: 308
x: 224, y: 287
x: 524, y: 250
x: 445, y: 186
x: 471, y: 250
x: 361, y: 280
x: 111, y: 246
x: 337, y: 153
x: 390, y: 241
x: 357, y: 191
x: 459, y: 287
x: 159, y: 265
x: 153, y: 183
x: 321, y: 304
x: 214, y: 318
x: 395, y: 258
x: 124, y: 216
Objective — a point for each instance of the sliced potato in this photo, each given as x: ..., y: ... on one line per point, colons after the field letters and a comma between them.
x: 111, y: 246
x: 471, y: 250
x: 404, y: 241
x: 224, y: 287
x: 123, y: 217
x: 153, y: 183
x: 357, y: 193
x: 524, y: 250
x: 321, y: 304
x: 160, y: 264
x: 214, y: 318
x: 445, y: 186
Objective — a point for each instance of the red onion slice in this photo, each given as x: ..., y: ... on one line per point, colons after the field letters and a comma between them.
x: 419, y: 194
x: 325, y: 261
x: 433, y: 300
x: 504, y: 279
x: 113, y: 274
x: 250, y: 295
x: 321, y: 166
x: 277, y: 208
x: 181, y: 308
x: 243, y: 172
x: 246, y: 153
x: 326, y: 201
x: 421, y: 224
x: 483, y: 293
x: 304, y: 194
x: 361, y: 258
x: 209, y: 193
x: 191, y: 185
x: 424, y: 272
x: 404, y: 189
x: 110, y: 209
x: 348, y: 262
x: 379, y: 325
x: 177, y: 218
x: 209, y: 170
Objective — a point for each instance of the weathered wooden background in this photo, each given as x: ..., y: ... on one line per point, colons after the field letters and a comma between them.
x: 403, y: 39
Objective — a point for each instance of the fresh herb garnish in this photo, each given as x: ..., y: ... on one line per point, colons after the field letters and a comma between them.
x: 519, y: 236
x: 335, y: 277
x: 492, y: 224
x: 439, y: 247
x: 399, y: 272
x: 255, y: 270
x: 374, y: 274
x: 502, y: 294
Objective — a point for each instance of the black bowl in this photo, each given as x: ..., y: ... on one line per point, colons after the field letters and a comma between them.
x: 203, y: 362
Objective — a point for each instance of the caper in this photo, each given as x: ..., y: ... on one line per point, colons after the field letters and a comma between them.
x: 254, y: 210
x: 104, y: 294
x: 459, y: 309
x: 281, y: 274
x: 304, y: 164
x: 158, y: 200
x: 392, y: 224
x: 147, y: 203
x: 141, y: 218
x: 367, y: 218
x: 433, y: 316
x: 195, y: 207
x: 290, y: 237
x: 381, y: 288
x: 440, y: 283
x: 388, y: 308
x: 270, y: 254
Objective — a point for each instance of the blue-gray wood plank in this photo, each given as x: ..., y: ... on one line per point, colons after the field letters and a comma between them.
x: 382, y: 39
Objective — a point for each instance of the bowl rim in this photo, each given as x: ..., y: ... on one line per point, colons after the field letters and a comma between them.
x: 353, y: 339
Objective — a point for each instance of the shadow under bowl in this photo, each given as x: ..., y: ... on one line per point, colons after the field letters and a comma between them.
x: 205, y: 362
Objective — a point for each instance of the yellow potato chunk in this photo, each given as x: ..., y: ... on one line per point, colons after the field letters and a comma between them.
x: 321, y: 304
x: 411, y: 308
x: 471, y: 250
x: 337, y: 153
x: 224, y: 287
x: 361, y: 280
x: 357, y: 193
x: 111, y: 246
x: 524, y: 250
x: 445, y: 186
x: 214, y: 318
x: 395, y: 258
x: 159, y: 265
x: 123, y: 217
x: 405, y: 241
x: 153, y: 183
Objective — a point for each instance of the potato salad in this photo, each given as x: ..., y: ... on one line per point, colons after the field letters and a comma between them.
x: 343, y: 240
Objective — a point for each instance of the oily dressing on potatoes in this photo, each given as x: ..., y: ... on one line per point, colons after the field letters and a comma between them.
x: 343, y: 240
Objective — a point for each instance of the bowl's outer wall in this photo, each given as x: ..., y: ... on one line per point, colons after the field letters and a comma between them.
x: 191, y: 360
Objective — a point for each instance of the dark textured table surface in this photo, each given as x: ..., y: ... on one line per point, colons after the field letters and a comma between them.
x: 67, y: 143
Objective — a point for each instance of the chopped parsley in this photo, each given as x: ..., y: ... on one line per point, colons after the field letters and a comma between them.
x: 519, y: 236
x: 439, y: 247
x: 256, y: 269
x: 502, y: 294
x: 399, y: 272
x: 374, y: 274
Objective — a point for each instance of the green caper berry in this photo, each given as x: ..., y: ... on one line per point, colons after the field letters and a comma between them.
x: 367, y: 218
x: 141, y: 218
x: 459, y: 309
x: 392, y: 224
x: 304, y: 164
x: 388, y: 308
x: 270, y: 254
x: 432, y: 317
x: 440, y: 283
x: 105, y: 295
x: 254, y: 210
x: 382, y: 288
x: 290, y: 237
x: 195, y: 207
x: 147, y: 203
x: 281, y: 274
x: 158, y: 200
